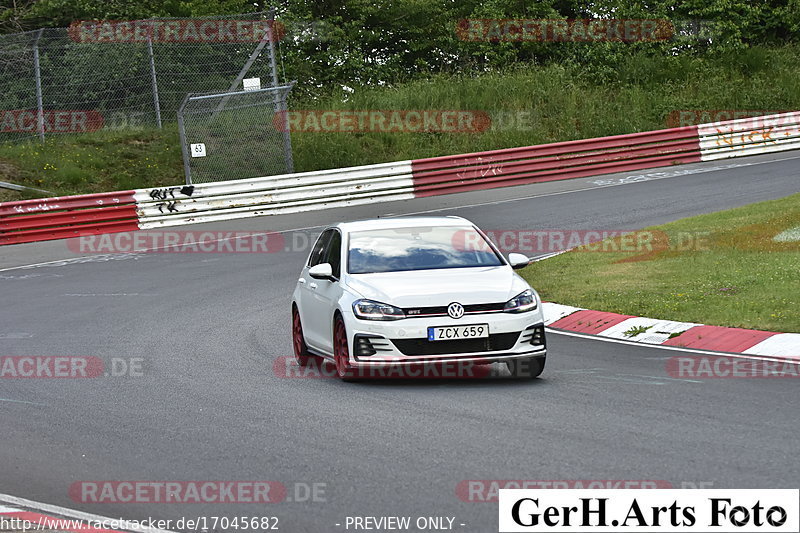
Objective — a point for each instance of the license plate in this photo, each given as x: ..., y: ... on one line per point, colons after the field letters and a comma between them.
x: 448, y: 333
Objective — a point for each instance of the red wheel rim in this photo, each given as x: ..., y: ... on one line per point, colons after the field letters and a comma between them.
x: 340, y: 348
x: 297, y: 333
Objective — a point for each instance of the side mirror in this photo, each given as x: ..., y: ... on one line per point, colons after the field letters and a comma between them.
x: 321, y: 271
x: 518, y: 261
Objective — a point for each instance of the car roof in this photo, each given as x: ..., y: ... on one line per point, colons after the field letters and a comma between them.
x: 401, y: 222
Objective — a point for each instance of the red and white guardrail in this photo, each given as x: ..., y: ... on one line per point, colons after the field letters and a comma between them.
x: 56, y: 218
x: 67, y: 216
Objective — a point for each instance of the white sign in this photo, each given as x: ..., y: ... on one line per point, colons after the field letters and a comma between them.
x: 198, y: 150
x: 645, y: 511
x: 251, y: 84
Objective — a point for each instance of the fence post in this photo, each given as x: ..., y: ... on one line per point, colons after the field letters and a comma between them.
x: 187, y: 172
x: 153, y: 78
x: 280, y: 105
x: 38, y: 70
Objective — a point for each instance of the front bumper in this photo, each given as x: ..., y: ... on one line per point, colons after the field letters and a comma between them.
x: 404, y: 342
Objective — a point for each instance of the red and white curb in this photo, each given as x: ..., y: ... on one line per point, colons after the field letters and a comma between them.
x: 690, y: 335
x: 21, y: 515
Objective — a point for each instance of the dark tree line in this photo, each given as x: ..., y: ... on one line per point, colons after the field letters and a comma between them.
x: 333, y: 43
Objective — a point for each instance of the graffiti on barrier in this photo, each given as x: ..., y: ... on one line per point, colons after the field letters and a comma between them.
x: 170, y: 206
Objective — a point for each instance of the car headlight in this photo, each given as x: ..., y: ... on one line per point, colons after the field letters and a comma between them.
x: 370, y: 310
x: 524, y: 301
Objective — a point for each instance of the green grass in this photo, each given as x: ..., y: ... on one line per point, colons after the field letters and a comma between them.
x: 562, y: 102
x: 7, y: 195
x: 736, y: 276
x: 101, y: 161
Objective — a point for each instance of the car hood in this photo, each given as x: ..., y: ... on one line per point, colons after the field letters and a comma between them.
x: 423, y: 288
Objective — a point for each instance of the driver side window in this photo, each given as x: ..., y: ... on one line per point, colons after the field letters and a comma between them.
x: 318, y: 253
x: 334, y: 253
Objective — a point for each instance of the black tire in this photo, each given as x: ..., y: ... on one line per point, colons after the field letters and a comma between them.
x: 529, y: 368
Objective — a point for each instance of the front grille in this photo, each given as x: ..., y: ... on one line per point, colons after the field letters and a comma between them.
x: 492, y: 343
x: 484, y: 308
x: 441, y: 310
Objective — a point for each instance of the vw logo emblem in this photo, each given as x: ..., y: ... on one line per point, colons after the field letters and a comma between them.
x: 455, y: 310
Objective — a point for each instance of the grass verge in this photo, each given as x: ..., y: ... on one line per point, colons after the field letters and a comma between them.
x: 101, y: 161
x: 723, y: 269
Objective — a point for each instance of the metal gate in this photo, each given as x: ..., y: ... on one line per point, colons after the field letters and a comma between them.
x: 235, y: 135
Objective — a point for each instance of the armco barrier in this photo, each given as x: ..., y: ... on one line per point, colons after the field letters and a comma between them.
x: 291, y: 193
x: 750, y: 136
x: 55, y: 218
x: 547, y: 162
x: 67, y: 216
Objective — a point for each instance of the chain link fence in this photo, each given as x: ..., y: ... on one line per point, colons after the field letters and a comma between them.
x: 235, y: 135
x: 125, y: 75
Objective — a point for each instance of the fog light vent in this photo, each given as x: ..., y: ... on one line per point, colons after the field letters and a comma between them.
x: 367, y: 345
x: 535, y: 335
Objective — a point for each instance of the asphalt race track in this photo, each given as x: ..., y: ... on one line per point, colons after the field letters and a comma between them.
x: 210, y: 407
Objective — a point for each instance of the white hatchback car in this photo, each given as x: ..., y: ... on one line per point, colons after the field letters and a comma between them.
x: 410, y: 290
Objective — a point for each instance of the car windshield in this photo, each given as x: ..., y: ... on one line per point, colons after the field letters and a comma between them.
x: 419, y: 248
